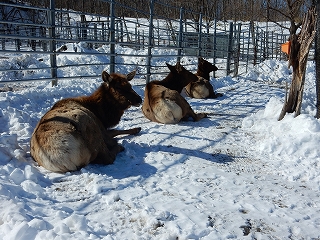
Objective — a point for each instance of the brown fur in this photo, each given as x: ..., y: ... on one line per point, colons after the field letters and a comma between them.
x: 202, y: 88
x: 75, y: 131
x: 162, y: 100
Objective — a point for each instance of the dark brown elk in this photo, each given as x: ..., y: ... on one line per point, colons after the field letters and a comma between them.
x: 76, y: 131
x: 162, y: 100
x: 202, y: 88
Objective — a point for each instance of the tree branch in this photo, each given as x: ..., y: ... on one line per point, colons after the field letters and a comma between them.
x: 278, y: 11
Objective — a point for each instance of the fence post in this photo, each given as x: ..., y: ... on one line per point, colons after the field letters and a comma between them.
x: 200, y: 35
x: 121, y: 31
x: 43, y: 43
x: 266, y: 45
x: 137, y: 37
x: 180, y: 35
x: 237, y: 59
x: 254, y: 43
x: 3, y: 40
x: 214, y: 45
x: 277, y: 46
x: 103, y: 38
x: 229, y: 47
x: 83, y: 27
x: 112, y: 37
x: 52, y: 43
x: 18, y: 40
x: 272, y: 46
x: 33, y: 41
x: 248, y: 47
x: 260, y: 36
x: 95, y: 35
x: 150, y: 42
x: 108, y: 31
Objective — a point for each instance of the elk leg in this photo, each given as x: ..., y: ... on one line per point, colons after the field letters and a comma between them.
x: 199, y: 116
x: 195, y: 116
x: 111, y: 146
x: 106, y: 157
x: 187, y: 110
x: 215, y: 95
x: 132, y: 131
x: 108, y: 154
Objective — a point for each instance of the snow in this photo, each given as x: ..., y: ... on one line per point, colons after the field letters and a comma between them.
x: 238, y: 174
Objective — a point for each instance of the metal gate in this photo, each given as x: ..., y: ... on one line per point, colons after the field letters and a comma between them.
x: 46, y: 31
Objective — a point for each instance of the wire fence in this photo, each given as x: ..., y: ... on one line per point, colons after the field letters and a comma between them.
x: 50, y: 33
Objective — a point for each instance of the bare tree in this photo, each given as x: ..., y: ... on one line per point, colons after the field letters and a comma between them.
x: 317, y: 59
x: 299, y: 48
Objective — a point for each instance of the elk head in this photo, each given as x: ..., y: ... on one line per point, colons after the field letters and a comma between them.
x: 121, y: 89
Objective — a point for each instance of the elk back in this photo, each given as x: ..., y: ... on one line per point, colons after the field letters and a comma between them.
x: 67, y: 138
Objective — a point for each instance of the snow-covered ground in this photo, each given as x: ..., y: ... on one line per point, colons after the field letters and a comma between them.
x: 238, y: 174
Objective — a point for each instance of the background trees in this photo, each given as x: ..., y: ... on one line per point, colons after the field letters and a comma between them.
x: 237, y: 10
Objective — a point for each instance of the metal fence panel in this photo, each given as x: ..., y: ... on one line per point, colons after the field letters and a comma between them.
x: 48, y: 31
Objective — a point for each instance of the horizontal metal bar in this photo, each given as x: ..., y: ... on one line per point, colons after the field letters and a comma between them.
x: 28, y: 69
x: 49, y: 79
x: 58, y: 78
x: 8, y: 36
x: 19, y: 24
x: 22, y: 6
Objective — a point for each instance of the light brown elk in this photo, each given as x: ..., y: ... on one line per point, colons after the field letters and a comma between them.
x: 76, y: 131
x: 202, y: 87
x: 162, y: 100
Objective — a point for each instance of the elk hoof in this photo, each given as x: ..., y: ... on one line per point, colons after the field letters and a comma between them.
x: 200, y: 116
x: 219, y: 95
x: 120, y: 148
x: 136, y: 130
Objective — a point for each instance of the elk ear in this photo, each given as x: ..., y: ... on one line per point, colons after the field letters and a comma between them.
x: 179, y: 67
x: 201, y: 60
x: 106, y: 77
x: 172, y: 68
x: 131, y: 75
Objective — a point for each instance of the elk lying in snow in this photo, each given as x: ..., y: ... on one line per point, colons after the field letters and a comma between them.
x: 202, y: 88
x: 75, y: 131
x: 162, y: 100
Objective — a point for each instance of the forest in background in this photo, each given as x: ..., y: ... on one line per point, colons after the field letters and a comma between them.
x: 236, y: 10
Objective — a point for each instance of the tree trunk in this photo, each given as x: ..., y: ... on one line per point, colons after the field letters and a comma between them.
x: 298, y: 56
x: 317, y: 59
